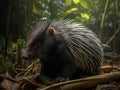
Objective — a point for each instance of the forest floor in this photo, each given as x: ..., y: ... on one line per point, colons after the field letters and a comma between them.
x: 113, y: 65
x: 18, y: 82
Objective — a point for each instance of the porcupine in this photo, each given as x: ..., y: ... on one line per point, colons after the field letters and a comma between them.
x: 66, y: 49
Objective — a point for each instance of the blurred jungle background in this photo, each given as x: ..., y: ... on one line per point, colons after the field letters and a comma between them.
x: 101, y: 16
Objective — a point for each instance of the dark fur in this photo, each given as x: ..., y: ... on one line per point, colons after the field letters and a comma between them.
x: 51, y: 44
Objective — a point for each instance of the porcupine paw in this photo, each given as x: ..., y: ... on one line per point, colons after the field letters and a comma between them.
x: 61, y: 79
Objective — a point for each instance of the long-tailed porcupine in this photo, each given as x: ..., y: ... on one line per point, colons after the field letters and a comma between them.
x: 66, y: 49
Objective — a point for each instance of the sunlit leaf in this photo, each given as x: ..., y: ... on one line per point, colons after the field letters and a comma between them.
x: 85, y: 16
x: 76, y: 1
x: 72, y: 10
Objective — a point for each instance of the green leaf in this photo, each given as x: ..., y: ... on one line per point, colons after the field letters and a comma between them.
x: 68, y: 2
x: 8, y: 64
x: 76, y: 1
x: 84, y: 4
x: 14, y: 46
x: 5, y: 65
x: 72, y: 10
x: 85, y: 16
x: 20, y: 41
x: 48, y: 1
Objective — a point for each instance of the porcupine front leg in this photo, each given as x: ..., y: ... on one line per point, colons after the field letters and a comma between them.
x: 67, y: 66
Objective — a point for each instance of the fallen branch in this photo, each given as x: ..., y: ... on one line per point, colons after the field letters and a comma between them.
x: 84, y: 83
x: 108, y: 68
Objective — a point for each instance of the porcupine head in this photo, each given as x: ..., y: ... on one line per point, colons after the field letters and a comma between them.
x: 46, y: 42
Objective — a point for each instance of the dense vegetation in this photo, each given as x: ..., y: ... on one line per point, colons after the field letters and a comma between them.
x: 101, y: 16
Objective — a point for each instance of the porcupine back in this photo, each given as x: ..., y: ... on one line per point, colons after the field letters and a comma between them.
x: 83, y: 45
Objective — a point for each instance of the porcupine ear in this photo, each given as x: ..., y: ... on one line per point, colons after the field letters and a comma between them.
x: 51, y: 31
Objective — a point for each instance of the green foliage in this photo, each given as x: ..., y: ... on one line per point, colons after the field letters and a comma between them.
x: 47, y: 9
x: 83, y: 11
x: 84, y: 3
x: 15, y: 18
x: 5, y: 65
x: 94, y: 14
x: 14, y: 49
x: 18, y: 44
